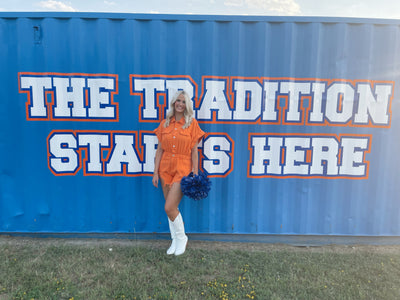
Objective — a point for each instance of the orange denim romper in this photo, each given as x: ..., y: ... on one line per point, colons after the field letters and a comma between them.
x: 177, y: 144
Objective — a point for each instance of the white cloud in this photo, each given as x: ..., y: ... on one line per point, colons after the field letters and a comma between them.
x: 55, y: 6
x: 233, y: 2
x: 282, y: 7
x: 110, y: 3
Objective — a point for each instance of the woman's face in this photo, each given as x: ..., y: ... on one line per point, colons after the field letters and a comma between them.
x: 180, y: 104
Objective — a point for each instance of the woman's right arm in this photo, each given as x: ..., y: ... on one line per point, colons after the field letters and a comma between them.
x: 157, y: 161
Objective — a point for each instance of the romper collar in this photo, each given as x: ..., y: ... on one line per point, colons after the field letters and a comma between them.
x: 180, y: 122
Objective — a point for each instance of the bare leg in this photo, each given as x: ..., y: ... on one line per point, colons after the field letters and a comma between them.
x: 172, y: 248
x: 173, y: 197
x: 165, y: 189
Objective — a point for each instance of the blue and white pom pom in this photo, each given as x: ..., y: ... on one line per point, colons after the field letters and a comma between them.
x: 196, y: 186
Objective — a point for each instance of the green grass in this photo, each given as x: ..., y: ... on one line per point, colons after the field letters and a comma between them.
x: 65, y: 269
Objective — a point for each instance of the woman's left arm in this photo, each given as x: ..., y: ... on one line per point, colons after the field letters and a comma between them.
x: 195, y: 159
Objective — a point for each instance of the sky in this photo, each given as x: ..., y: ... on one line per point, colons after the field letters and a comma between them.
x: 386, y: 9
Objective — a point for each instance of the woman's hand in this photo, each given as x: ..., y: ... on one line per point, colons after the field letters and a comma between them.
x: 155, y: 180
x: 157, y: 160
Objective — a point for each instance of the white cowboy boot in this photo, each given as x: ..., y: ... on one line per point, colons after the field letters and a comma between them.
x: 180, y: 236
x: 171, y: 249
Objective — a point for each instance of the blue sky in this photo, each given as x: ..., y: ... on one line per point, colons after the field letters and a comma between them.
x: 389, y: 9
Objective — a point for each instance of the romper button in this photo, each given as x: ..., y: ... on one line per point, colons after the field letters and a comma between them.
x: 173, y: 136
x: 173, y: 146
x: 173, y: 155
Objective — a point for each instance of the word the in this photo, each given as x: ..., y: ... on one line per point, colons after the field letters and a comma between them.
x: 73, y: 97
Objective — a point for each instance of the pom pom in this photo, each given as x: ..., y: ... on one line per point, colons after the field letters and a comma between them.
x: 196, y: 186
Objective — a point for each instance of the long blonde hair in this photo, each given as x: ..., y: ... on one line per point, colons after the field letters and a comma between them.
x: 188, y: 113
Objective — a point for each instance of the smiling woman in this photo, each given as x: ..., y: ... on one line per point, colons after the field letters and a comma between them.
x: 176, y: 156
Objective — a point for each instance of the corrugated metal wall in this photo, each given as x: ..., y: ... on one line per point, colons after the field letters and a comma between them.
x: 302, y: 116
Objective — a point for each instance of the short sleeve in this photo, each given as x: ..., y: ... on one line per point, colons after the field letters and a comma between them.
x: 158, y: 131
x: 197, y: 133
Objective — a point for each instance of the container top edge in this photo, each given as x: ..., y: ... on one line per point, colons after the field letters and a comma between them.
x: 193, y: 17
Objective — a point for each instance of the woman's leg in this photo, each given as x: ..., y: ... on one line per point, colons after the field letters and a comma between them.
x: 173, y: 197
x: 172, y: 201
x: 171, y: 207
x: 165, y: 189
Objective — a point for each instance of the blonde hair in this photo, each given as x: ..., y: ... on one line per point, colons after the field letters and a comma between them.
x: 188, y: 113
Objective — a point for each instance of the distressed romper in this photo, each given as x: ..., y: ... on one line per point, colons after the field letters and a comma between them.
x: 177, y: 144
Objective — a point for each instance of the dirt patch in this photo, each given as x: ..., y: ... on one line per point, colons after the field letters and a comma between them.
x: 193, y: 244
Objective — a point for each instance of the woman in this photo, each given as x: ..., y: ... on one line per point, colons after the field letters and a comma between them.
x: 176, y: 156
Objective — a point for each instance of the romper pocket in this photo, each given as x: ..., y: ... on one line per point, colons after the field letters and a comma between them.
x: 184, y: 136
x: 166, y: 136
x: 167, y: 130
x: 184, y: 132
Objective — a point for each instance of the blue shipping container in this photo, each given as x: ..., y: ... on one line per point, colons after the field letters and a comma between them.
x: 302, y: 118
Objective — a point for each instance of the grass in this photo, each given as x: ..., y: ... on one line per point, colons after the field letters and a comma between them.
x: 112, y: 269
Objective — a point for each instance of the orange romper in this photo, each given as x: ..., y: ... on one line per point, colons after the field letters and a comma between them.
x: 177, y: 144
